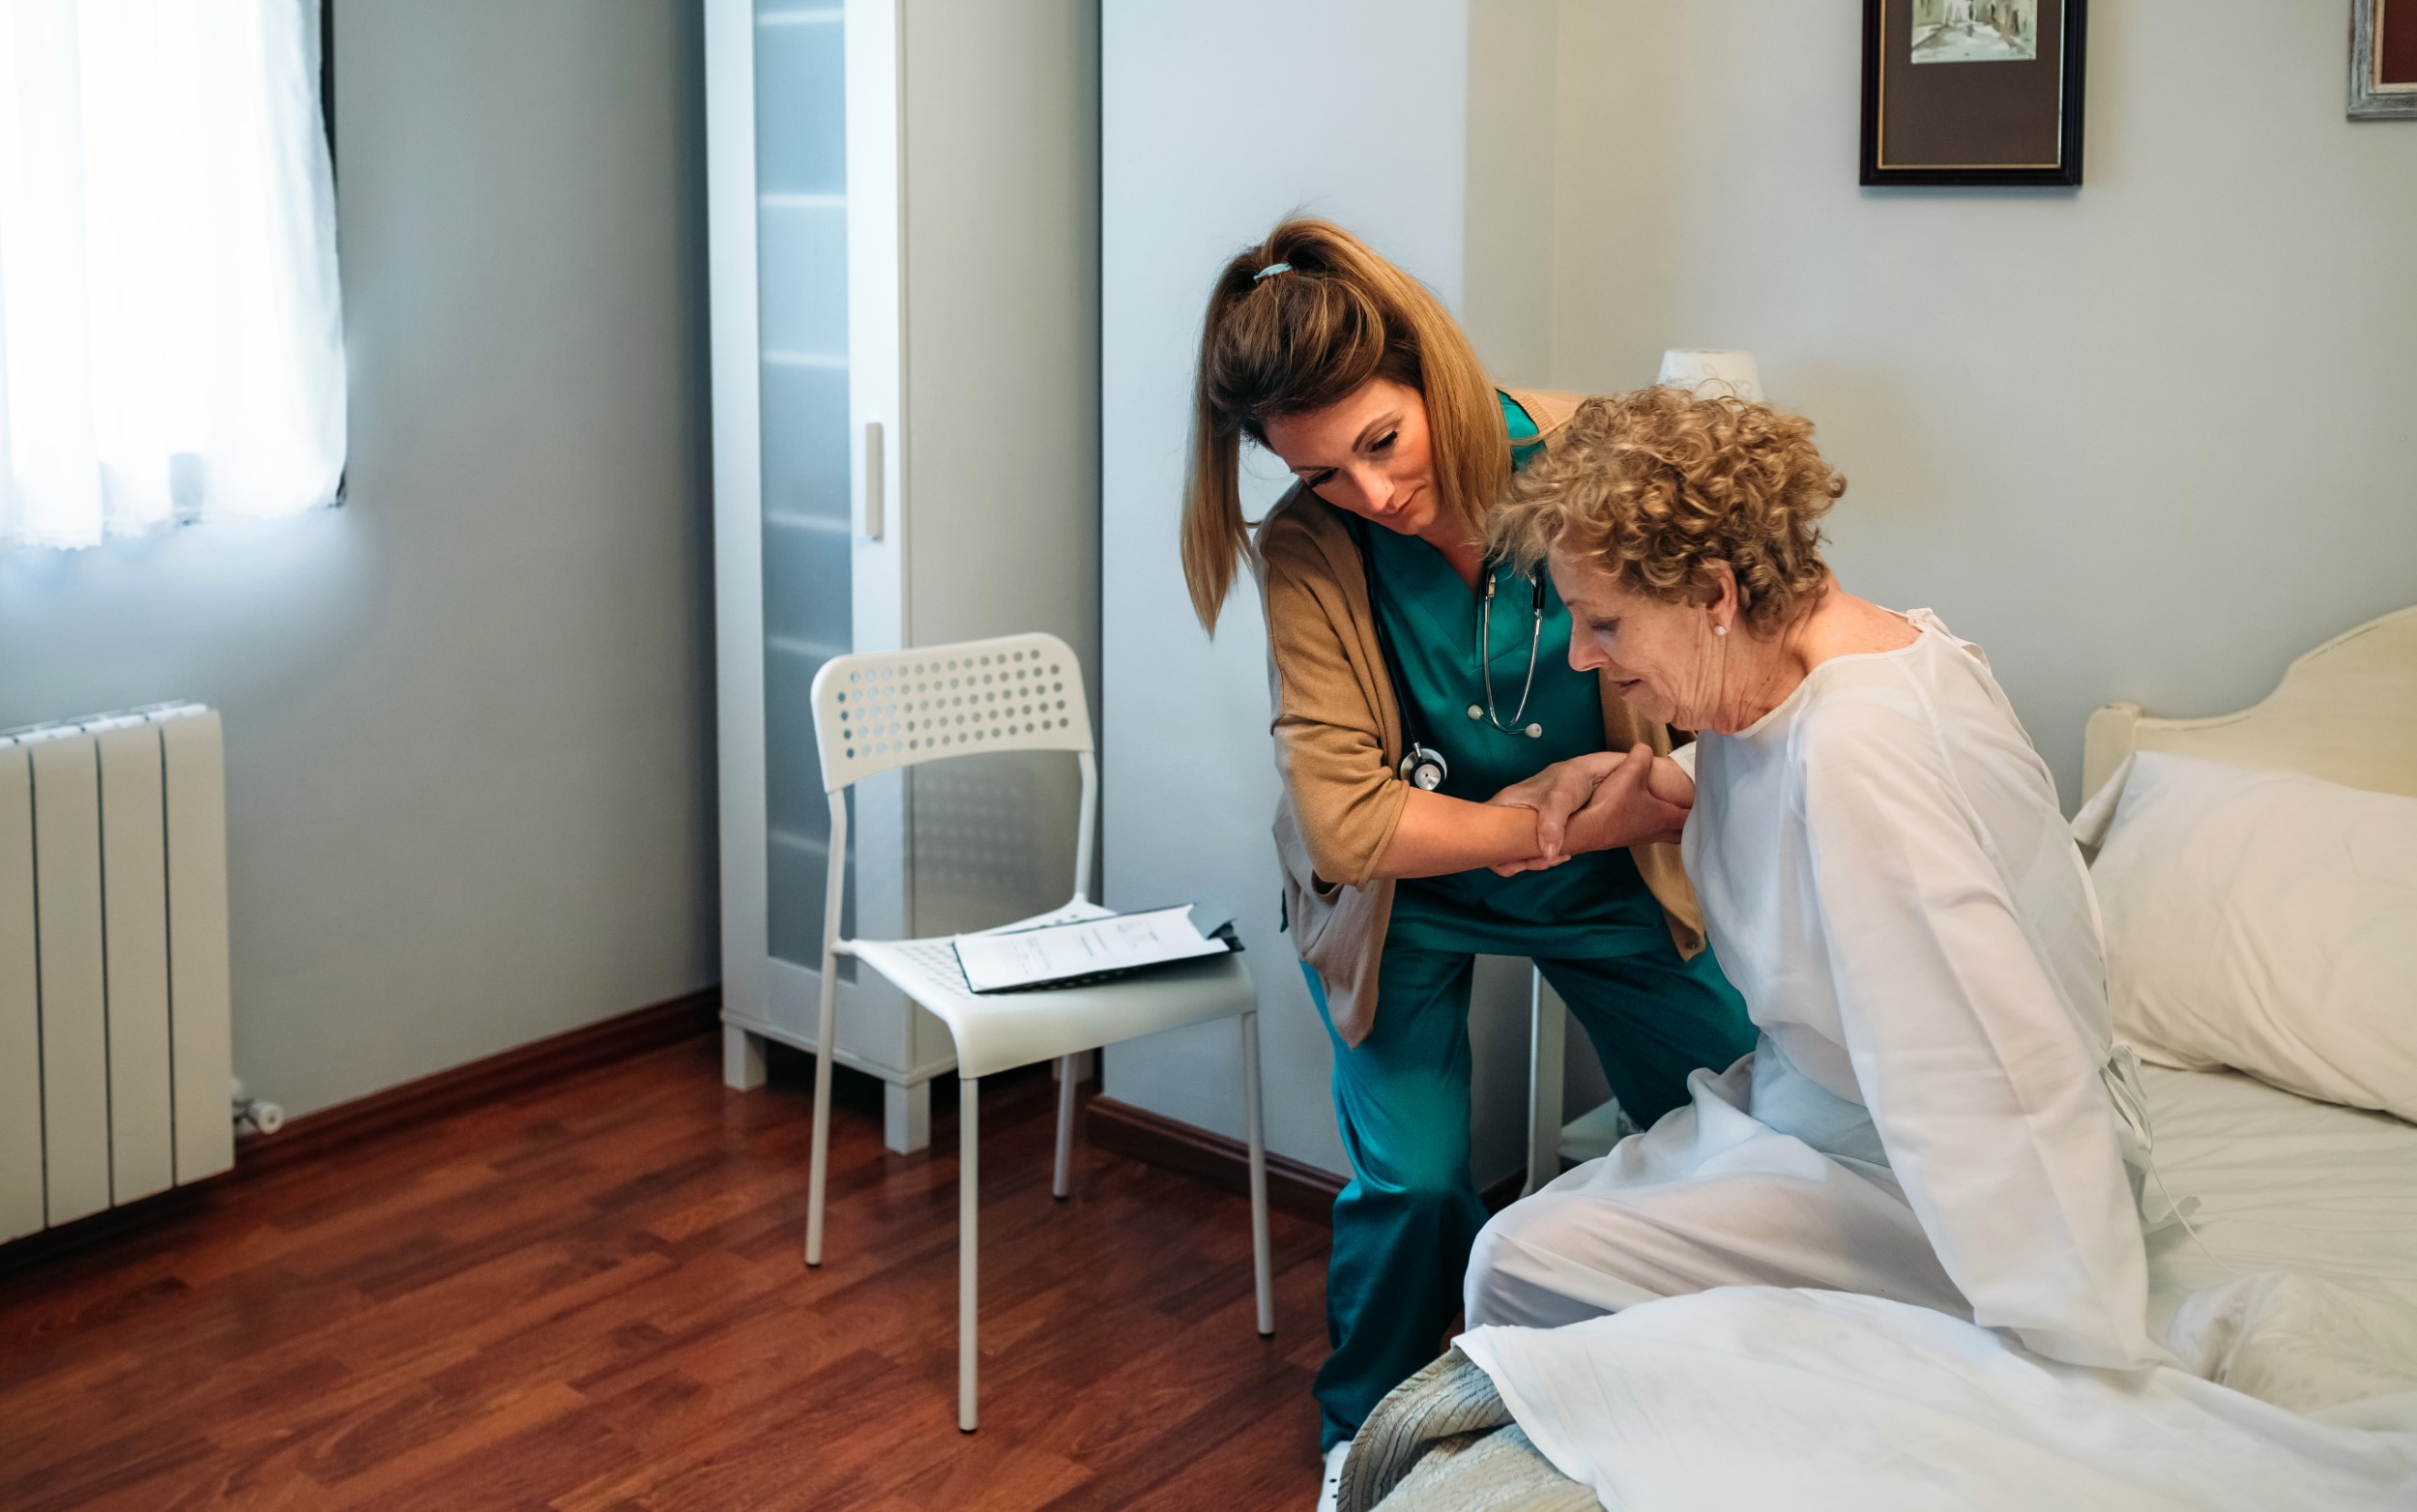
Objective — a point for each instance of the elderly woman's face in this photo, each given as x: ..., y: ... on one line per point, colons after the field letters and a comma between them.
x: 1663, y: 656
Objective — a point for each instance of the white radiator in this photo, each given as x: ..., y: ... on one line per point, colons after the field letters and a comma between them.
x: 114, y: 1045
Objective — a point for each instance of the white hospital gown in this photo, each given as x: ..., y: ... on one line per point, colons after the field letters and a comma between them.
x: 1888, y: 882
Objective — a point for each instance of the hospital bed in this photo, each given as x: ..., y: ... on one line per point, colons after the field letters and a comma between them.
x: 2283, y: 1184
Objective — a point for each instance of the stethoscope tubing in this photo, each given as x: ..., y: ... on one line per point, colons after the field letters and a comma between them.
x: 1424, y: 765
x: 1485, y: 653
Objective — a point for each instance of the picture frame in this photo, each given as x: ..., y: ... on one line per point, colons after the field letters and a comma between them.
x: 1973, y: 92
x: 2383, y: 60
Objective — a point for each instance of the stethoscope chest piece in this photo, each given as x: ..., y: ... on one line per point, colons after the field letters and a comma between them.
x: 1423, y: 769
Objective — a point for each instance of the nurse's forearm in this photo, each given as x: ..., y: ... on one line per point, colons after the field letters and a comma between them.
x: 1439, y: 835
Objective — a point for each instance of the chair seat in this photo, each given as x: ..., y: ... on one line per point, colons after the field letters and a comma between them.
x: 999, y: 1031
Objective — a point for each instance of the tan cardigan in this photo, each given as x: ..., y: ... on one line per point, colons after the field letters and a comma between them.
x: 1339, y: 745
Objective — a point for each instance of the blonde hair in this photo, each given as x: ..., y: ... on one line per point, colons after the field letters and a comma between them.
x: 1295, y: 342
x: 1658, y: 485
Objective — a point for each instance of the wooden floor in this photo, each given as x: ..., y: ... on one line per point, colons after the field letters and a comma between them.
x: 591, y: 1299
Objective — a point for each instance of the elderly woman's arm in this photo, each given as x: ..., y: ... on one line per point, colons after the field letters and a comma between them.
x: 1984, y: 1085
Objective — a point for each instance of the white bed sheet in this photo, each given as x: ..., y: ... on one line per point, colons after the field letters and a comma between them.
x: 2300, y: 1287
x: 2283, y: 1184
x: 2296, y: 1303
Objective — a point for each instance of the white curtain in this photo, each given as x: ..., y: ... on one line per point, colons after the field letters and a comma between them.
x: 169, y: 320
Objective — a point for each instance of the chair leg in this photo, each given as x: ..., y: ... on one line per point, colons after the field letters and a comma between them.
x: 969, y: 1204
x: 820, y: 1166
x: 1065, y: 1126
x: 1548, y: 1035
x: 1261, y: 1269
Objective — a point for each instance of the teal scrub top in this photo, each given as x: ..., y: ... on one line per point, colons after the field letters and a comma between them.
x: 1592, y: 905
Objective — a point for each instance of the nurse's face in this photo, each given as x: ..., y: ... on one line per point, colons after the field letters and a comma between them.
x: 1664, y: 655
x: 1366, y: 454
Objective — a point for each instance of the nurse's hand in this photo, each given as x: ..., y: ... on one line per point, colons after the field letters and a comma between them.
x: 1554, y: 794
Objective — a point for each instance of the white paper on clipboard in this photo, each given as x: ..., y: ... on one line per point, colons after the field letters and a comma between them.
x: 1084, y: 947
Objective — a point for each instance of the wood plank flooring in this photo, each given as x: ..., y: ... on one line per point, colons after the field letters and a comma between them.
x: 591, y: 1298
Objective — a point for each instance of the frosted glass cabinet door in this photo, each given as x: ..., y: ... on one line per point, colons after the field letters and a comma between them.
x: 801, y: 161
x: 802, y: 291
x: 817, y: 522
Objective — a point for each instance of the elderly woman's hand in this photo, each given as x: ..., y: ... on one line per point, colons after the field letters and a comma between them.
x: 1625, y: 810
x: 1598, y: 803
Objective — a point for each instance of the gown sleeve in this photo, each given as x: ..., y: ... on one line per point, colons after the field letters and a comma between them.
x: 1985, y: 1090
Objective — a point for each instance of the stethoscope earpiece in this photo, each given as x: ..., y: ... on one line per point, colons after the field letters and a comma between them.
x: 1531, y: 730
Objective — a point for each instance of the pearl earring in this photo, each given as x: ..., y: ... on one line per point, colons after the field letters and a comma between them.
x: 1719, y: 629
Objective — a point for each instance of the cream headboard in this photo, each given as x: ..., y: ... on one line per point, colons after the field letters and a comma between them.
x: 2346, y: 712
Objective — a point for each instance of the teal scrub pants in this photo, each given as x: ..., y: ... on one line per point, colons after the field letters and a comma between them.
x: 1404, y: 1225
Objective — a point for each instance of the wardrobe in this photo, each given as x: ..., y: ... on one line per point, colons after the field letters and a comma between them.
x: 902, y: 269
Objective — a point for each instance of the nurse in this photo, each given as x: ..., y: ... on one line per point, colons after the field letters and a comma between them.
x: 1425, y: 713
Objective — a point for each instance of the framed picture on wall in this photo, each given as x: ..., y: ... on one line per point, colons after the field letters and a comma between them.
x: 2383, y: 60
x: 1972, y: 91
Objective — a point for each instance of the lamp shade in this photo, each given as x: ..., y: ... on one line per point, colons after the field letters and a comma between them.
x: 1709, y: 375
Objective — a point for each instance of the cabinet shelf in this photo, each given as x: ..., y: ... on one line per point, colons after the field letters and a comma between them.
x: 826, y: 524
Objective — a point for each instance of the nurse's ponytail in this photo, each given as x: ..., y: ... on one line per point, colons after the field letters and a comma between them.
x: 1299, y: 323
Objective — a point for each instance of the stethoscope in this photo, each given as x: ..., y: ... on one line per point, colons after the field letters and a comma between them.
x: 1423, y: 766
x: 1485, y: 651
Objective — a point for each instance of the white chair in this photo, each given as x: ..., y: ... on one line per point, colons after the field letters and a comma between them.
x: 1550, y: 1140
x: 1548, y: 1043
x: 885, y: 709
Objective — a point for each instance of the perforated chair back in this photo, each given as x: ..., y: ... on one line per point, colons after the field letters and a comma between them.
x: 889, y: 708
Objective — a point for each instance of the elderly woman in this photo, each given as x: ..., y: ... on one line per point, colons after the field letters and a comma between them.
x: 1930, y: 1113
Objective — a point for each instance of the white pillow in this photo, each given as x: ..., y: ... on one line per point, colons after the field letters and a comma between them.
x: 2265, y: 921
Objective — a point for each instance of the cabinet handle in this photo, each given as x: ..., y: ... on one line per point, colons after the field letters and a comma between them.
x: 873, y: 490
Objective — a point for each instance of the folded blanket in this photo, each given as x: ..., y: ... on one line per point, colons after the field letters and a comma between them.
x: 1499, y: 1471
x: 1439, y: 1442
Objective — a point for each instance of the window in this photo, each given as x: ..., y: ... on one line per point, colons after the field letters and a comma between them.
x: 171, y: 334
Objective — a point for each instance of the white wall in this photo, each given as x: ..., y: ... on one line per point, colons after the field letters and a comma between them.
x: 466, y: 714
x: 2147, y: 440
x: 1216, y: 119
x: 1014, y: 255
x: 2144, y: 441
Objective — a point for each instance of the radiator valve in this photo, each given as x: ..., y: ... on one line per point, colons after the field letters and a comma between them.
x: 265, y: 1117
